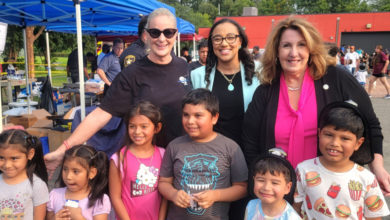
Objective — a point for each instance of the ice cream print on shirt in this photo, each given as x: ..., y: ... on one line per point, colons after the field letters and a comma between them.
x: 11, y: 208
x: 146, y: 181
x: 199, y: 173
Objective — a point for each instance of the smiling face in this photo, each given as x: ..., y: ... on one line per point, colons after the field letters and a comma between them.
x: 13, y: 163
x: 198, y: 122
x: 271, y: 189
x: 293, y: 52
x: 337, y: 146
x: 142, y: 130
x: 226, y: 52
x: 76, y: 177
x: 161, y: 47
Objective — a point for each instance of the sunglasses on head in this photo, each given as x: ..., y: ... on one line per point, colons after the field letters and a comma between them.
x: 155, y: 33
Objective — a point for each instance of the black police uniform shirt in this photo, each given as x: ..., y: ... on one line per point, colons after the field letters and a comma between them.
x: 134, y: 52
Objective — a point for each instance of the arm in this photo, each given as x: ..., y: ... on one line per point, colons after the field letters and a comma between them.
x: 91, y: 124
x: 178, y: 197
x: 162, y: 215
x: 86, y: 72
x: 40, y: 212
x: 381, y: 173
x: 49, y: 215
x: 384, y: 70
x: 207, y: 198
x: 103, y: 76
x: 115, y: 188
x: 100, y: 217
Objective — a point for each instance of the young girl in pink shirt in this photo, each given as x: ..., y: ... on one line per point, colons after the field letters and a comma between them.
x: 135, y: 168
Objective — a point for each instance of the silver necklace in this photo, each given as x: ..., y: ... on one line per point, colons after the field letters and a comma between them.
x: 230, y: 81
x: 151, y: 159
x: 293, y: 88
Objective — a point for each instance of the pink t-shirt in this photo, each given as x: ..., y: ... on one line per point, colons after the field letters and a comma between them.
x: 57, y: 201
x: 139, y: 184
x: 296, y: 130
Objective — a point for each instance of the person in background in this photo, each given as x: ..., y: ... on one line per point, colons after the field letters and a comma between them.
x: 92, y: 59
x: 202, y: 52
x: 109, y: 67
x: 137, y: 49
x: 105, y: 50
x: 256, y: 53
x: 380, y: 63
x: 334, y: 52
x: 299, y: 80
x: 185, y: 55
x: 72, y: 66
x: 141, y: 81
x: 361, y: 75
x: 352, y: 59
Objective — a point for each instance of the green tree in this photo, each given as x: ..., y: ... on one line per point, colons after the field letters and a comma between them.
x: 272, y: 7
x: 331, y: 6
x: 381, y: 5
x: 13, y: 42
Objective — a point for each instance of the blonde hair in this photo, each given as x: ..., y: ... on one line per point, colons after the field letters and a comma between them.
x: 318, y: 59
x: 160, y: 12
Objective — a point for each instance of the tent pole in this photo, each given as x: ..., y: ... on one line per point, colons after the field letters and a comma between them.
x: 80, y: 57
x: 26, y: 69
x: 48, y: 57
x: 178, y: 45
x: 194, y: 48
x: 174, y: 48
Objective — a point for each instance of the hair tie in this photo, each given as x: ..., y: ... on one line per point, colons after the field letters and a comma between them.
x: 278, y: 152
x: 94, y: 156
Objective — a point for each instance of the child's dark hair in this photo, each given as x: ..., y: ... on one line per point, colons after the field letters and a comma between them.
x: 343, y: 119
x: 144, y: 108
x: 24, y: 142
x: 347, y: 116
x: 202, y: 96
x: 275, y: 165
x: 88, y: 157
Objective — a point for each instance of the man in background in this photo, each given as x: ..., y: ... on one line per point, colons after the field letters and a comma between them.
x: 109, y: 67
x: 137, y: 49
x: 202, y: 52
x: 256, y: 53
x: 72, y: 66
x: 352, y: 60
x: 105, y: 50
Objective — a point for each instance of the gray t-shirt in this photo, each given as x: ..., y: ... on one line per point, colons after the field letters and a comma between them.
x: 196, y: 167
x: 18, y: 200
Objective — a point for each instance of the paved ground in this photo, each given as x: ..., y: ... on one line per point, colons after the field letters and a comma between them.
x: 382, y: 110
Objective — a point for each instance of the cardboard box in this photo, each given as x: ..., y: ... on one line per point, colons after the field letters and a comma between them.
x: 25, y: 120
x: 56, y: 138
x: 38, y: 132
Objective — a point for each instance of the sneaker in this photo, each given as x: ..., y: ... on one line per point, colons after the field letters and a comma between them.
x: 387, y: 96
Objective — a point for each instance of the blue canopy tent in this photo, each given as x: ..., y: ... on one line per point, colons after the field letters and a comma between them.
x: 184, y: 27
x: 94, y: 13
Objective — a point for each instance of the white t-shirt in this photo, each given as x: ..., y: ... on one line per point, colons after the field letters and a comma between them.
x: 352, y: 56
x: 327, y: 195
x: 361, y: 76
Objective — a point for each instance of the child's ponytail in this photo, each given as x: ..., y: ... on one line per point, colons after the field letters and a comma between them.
x: 36, y: 164
x: 99, y: 184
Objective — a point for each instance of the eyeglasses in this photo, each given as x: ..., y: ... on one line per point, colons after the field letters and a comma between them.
x: 230, y: 38
x: 155, y: 33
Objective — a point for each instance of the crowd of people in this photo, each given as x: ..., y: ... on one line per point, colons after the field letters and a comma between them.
x: 279, y: 135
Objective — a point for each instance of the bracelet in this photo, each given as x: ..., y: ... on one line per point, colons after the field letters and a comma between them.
x: 67, y: 146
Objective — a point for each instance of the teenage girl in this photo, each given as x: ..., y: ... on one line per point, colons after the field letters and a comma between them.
x: 23, y: 178
x: 135, y: 168
x: 84, y: 180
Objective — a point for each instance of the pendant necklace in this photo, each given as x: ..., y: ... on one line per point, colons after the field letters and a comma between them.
x: 151, y: 159
x: 230, y: 81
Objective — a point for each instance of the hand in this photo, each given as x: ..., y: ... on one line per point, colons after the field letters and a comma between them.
x: 54, y: 159
x: 381, y: 174
x: 75, y: 213
x: 206, y: 198
x: 181, y: 199
x: 63, y: 214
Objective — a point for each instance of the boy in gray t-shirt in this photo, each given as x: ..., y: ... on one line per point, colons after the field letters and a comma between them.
x: 202, y: 171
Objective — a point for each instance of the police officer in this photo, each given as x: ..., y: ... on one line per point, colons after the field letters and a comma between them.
x: 137, y: 49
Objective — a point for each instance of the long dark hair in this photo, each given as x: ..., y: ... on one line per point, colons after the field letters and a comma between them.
x: 25, y: 142
x: 243, y: 54
x: 89, y: 158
